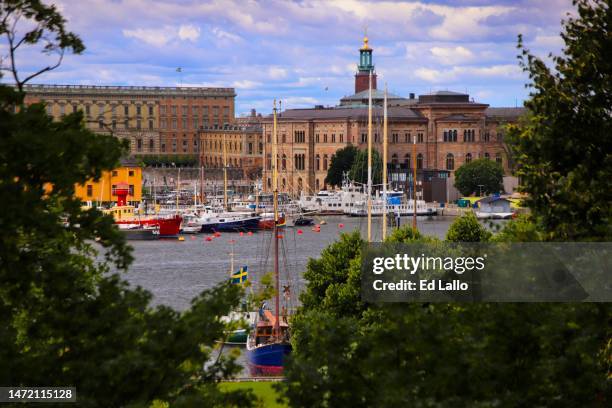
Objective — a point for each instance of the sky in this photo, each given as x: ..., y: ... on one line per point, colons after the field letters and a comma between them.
x: 305, y: 52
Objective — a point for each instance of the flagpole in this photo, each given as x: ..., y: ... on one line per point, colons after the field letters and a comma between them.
x: 384, y: 169
x: 370, y: 158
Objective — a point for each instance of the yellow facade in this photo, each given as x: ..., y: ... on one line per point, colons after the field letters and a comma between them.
x: 102, y: 191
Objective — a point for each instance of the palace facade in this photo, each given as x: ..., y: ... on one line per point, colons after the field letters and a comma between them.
x: 155, y: 120
x: 449, y: 129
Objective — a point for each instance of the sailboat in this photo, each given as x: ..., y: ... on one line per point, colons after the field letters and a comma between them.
x: 268, y: 344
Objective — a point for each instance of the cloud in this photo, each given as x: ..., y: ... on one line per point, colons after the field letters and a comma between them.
x: 464, y: 72
x: 225, y: 36
x: 277, y: 73
x: 159, y: 37
x: 246, y: 84
x: 452, y: 55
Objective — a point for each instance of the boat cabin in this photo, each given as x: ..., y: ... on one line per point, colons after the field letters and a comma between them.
x: 495, y: 205
x: 121, y: 212
x: 264, y: 331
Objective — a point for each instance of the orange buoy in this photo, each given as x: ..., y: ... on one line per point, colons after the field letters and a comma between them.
x: 300, y: 232
x: 208, y: 239
x: 250, y: 233
x: 241, y: 233
x: 279, y: 236
x: 217, y: 234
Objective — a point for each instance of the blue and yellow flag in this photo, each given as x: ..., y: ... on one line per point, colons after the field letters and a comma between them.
x: 240, y: 276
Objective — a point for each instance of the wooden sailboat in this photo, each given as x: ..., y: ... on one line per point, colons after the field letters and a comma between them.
x: 268, y: 344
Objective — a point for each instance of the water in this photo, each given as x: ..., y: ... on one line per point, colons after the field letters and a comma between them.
x: 177, y: 271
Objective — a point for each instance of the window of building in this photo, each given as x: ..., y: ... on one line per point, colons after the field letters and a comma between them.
x: 454, y: 135
x: 74, y: 108
x: 364, y: 138
x: 316, y: 138
x: 468, y: 157
x: 163, y: 147
x: 126, y: 110
x: 250, y: 148
x: 131, y: 190
x: 62, y: 107
x: 260, y: 147
x: 394, y: 138
x: 163, y: 123
x: 420, y: 138
x: 150, y: 110
x: 195, y: 123
x: 325, y: 167
x: 284, y: 163
x: 184, y: 123
x: 126, y: 124
x: 407, y: 137
x: 215, y: 111
x: 487, y: 156
x: 138, y: 110
x: 174, y: 123
x: 324, y: 137
x: 419, y: 161
x: 300, y: 136
x: 498, y: 158
x: 376, y: 138
x: 151, y: 144
x: 450, y: 162
x: 89, y: 190
x: 150, y: 124
x: 317, y: 184
x: 87, y: 109
x: 317, y: 162
x: 139, y: 144
x: 100, y: 124
x: 184, y: 142
x: 283, y: 138
x: 138, y: 124
x: 333, y: 138
x: 407, y: 160
x: 173, y: 109
x: 162, y: 110
x: 341, y: 136
x: 114, y: 173
x: 184, y: 110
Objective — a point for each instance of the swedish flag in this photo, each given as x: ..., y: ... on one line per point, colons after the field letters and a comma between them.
x: 240, y: 276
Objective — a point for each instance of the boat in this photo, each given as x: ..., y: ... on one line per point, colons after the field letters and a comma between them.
x: 267, y: 221
x: 333, y: 202
x: 302, y: 221
x: 136, y: 232
x: 191, y: 224
x: 124, y: 215
x: 230, y: 222
x: 268, y: 344
x: 494, y: 207
x: 405, y: 208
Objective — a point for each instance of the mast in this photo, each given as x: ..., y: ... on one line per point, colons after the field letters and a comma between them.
x: 370, y: 158
x: 275, y: 231
x: 154, y: 196
x: 414, y: 171
x: 178, y: 189
x: 224, y: 174
x: 384, y: 215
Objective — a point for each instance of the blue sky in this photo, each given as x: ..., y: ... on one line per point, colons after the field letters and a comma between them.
x: 295, y: 50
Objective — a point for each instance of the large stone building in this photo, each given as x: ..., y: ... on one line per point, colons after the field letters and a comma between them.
x: 450, y: 129
x: 156, y: 120
x: 243, y: 148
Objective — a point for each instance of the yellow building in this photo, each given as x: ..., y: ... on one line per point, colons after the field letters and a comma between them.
x: 103, y: 191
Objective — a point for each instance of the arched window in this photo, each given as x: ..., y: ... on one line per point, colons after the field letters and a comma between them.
x: 269, y: 182
x: 498, y: 158
x: 317, y: 184
x: 284, y: 162
x: 151, y: 144
x: 284, y: 138
x: 419, y: 161
x: 450, y: 162
x: 487, y: 156
x: 300, y: 185
x: 465, y: 135
x: 455, y: 135
x: 468, y: 157
x: 324, y: 162
x: 407, y: 159
x: 394, y: 159
x: 317, y: 164
x: 445, y: 136
x: 284, y: 183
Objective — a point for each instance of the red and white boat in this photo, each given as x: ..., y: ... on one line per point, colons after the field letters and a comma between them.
x: 267, y: 220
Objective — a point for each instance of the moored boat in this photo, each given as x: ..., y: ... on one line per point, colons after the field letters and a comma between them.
x: 266, y: 349
x: 267, y: 221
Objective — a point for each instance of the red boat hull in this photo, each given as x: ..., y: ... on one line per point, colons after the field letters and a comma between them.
x: 168, y: 227
x: 268, y: 224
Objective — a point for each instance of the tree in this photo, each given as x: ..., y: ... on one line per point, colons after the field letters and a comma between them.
x: 359, y: 169
x: 467, y: 229
x: 341, y: 162
x: 564, y: 150
x: 479, y: 176
x: 64, y: 318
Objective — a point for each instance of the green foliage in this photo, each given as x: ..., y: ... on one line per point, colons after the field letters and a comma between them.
x: 467, y: 229
x: 359, y: 169
x: 341, y: 162
x: 521, y: 229
x: 481, y: 175
x: 64, y: 318
x: 563, y: 150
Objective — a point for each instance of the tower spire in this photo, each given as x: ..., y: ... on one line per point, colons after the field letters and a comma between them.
x: 365, y: 67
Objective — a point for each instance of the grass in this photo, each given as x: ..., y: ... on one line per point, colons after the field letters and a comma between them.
x: 262, y: 389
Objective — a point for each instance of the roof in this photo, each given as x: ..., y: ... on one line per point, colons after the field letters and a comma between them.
x: 509, y: 113
x: 458, y: 117
x: 356, y: 113
x: 376, y: 94
x: 129, y: 161
x: 446, y: 93
x: 492, y: 199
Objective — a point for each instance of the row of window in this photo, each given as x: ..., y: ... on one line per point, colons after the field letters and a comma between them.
x: 215, y: 161
x: 408, y: 160
x: 126, y: 124
x: 450, y: 159
x: 193, y: 124
x: 101, y: 109
x: 332, y: 138
x: 195, y: 110
x: 396, y: 138
x: 469, y: 135
x: 231, y: 146
x: 113, y: 190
